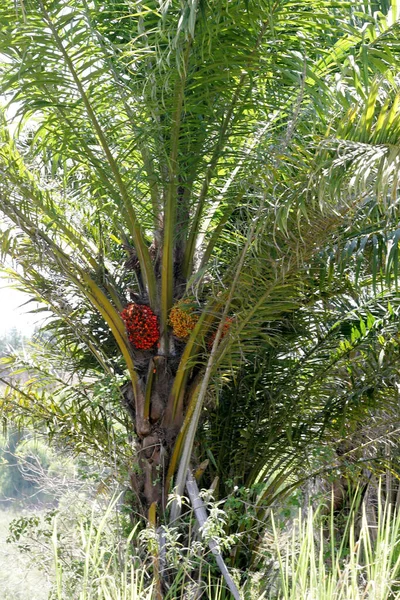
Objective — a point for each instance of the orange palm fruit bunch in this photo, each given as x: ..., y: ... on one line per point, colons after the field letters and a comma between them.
x: 183, y: 319
x: 141, y: 325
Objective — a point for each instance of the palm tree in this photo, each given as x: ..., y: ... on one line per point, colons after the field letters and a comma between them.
x: 171, y: 175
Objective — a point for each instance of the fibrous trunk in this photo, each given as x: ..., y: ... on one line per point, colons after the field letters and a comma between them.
x: 155, y: 437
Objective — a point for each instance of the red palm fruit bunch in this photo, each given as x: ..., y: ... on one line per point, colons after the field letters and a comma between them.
x: 182, y: 319
x: 142, y: 326
x: 227, y: 325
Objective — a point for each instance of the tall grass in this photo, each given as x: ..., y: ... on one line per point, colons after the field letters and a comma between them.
x: 311, y: 564
x: 126, y: 571
x: 306, y: 559
x: 106, y: 575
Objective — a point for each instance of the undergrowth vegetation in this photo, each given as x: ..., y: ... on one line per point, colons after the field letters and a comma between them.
x: 94, y: 553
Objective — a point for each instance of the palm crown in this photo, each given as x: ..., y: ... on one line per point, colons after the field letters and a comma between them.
x: 193, y: 155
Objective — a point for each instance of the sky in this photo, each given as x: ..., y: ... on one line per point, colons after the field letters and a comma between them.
x: 12, y: 314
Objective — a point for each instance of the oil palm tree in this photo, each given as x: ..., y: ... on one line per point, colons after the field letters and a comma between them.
x: 171, y: 173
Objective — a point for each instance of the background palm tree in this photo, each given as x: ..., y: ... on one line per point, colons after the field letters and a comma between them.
x: 223, y: 153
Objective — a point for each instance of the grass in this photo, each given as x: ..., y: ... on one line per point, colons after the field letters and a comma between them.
x: 312, y: 564
x: 304, y: 559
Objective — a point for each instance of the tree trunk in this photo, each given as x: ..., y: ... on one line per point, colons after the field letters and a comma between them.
x: 154, y: 437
